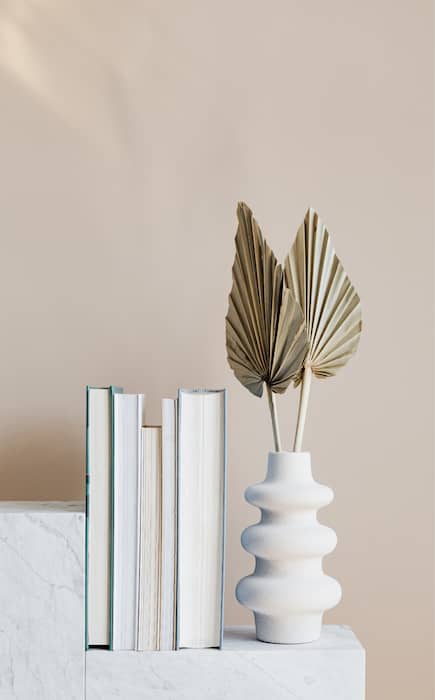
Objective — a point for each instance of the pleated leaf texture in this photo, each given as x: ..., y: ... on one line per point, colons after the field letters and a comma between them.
x: 332, y: 308
x: 265, y: 326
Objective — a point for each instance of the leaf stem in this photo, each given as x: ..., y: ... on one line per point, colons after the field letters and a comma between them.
x: 302, y: 412
x: 274, y: 417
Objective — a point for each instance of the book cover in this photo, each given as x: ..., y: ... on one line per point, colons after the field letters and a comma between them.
x: 108, y: 391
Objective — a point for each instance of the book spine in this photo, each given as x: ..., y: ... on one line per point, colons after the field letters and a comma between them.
x: 181, y: 394
x: 113, y: 390
x: 174, y: 631
x: 139, y: 479
x: 177, y: 520
x: 167, y: 604
x: 87, y: 477
x: 224, y: 522
x: 128, y: 415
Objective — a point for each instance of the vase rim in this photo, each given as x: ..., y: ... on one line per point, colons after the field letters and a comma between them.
x: 289, y: 452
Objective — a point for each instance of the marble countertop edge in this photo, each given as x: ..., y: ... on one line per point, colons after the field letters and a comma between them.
x: 24, y: 507
x: 241, y: 639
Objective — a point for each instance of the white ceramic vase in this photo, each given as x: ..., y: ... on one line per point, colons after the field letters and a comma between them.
x: 288, y: 591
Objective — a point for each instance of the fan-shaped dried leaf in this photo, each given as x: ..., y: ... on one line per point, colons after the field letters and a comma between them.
x: 332, y: 308
x: 265, y: 327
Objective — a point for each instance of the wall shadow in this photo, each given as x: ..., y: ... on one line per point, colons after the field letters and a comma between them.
x: 42, y: 463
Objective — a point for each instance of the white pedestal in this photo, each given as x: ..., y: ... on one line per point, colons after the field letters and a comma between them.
x: 331, y: 669
x: 41, y: 601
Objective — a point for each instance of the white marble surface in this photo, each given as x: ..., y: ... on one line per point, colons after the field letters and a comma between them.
x: 331, y: 669
x: 42, y: 635
x: 41, y: 601
x: 42, y: 507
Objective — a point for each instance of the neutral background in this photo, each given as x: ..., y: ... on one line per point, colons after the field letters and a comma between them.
x: 128, y: 133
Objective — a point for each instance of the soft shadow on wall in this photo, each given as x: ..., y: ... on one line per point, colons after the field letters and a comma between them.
x: 78, y: 61
x: 69, y: 78
x: 47, y: 458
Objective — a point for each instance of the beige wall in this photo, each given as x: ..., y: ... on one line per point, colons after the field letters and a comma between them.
x: 128, y: 132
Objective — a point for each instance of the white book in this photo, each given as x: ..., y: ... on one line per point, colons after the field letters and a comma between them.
x: 169, y: 522
x: 127, y: 456
x: 201, y: 517
x: 150, y: 540
x: 98, y: 513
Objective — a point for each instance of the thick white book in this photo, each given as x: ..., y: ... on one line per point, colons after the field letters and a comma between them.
x: 150, y: 528
x: 128, y: 412
x: 98, y: 513
x: 201, y: 517
x: 169, y: 523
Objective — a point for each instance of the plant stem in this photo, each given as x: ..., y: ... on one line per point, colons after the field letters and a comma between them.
x: 274, y: 417
x: 302, y: 412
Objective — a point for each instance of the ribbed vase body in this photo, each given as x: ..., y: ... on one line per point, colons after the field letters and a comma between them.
x: 288, y: 591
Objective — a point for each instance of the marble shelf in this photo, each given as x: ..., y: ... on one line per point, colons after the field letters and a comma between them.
x: 42, y: 635
x: 332, y: 668
x: 41, y: 601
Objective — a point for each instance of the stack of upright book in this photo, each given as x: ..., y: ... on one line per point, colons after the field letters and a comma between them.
x: 155, y: 514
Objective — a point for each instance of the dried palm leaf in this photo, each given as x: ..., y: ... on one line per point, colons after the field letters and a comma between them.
x: 265, y: 327
x: 332, y: 308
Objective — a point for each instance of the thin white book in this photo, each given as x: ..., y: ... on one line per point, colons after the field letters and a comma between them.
x: 201, y: 517
x: 169, y: 523
x: 150, y: 528
x: 98, y: 513
x: 127, y: 457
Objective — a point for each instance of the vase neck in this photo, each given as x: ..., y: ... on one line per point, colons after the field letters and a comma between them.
x: 289, y: 466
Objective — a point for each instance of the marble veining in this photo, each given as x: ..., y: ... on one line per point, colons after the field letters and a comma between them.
x: 42, y: 635
x: 41, y: 601
x: 333, y: 668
